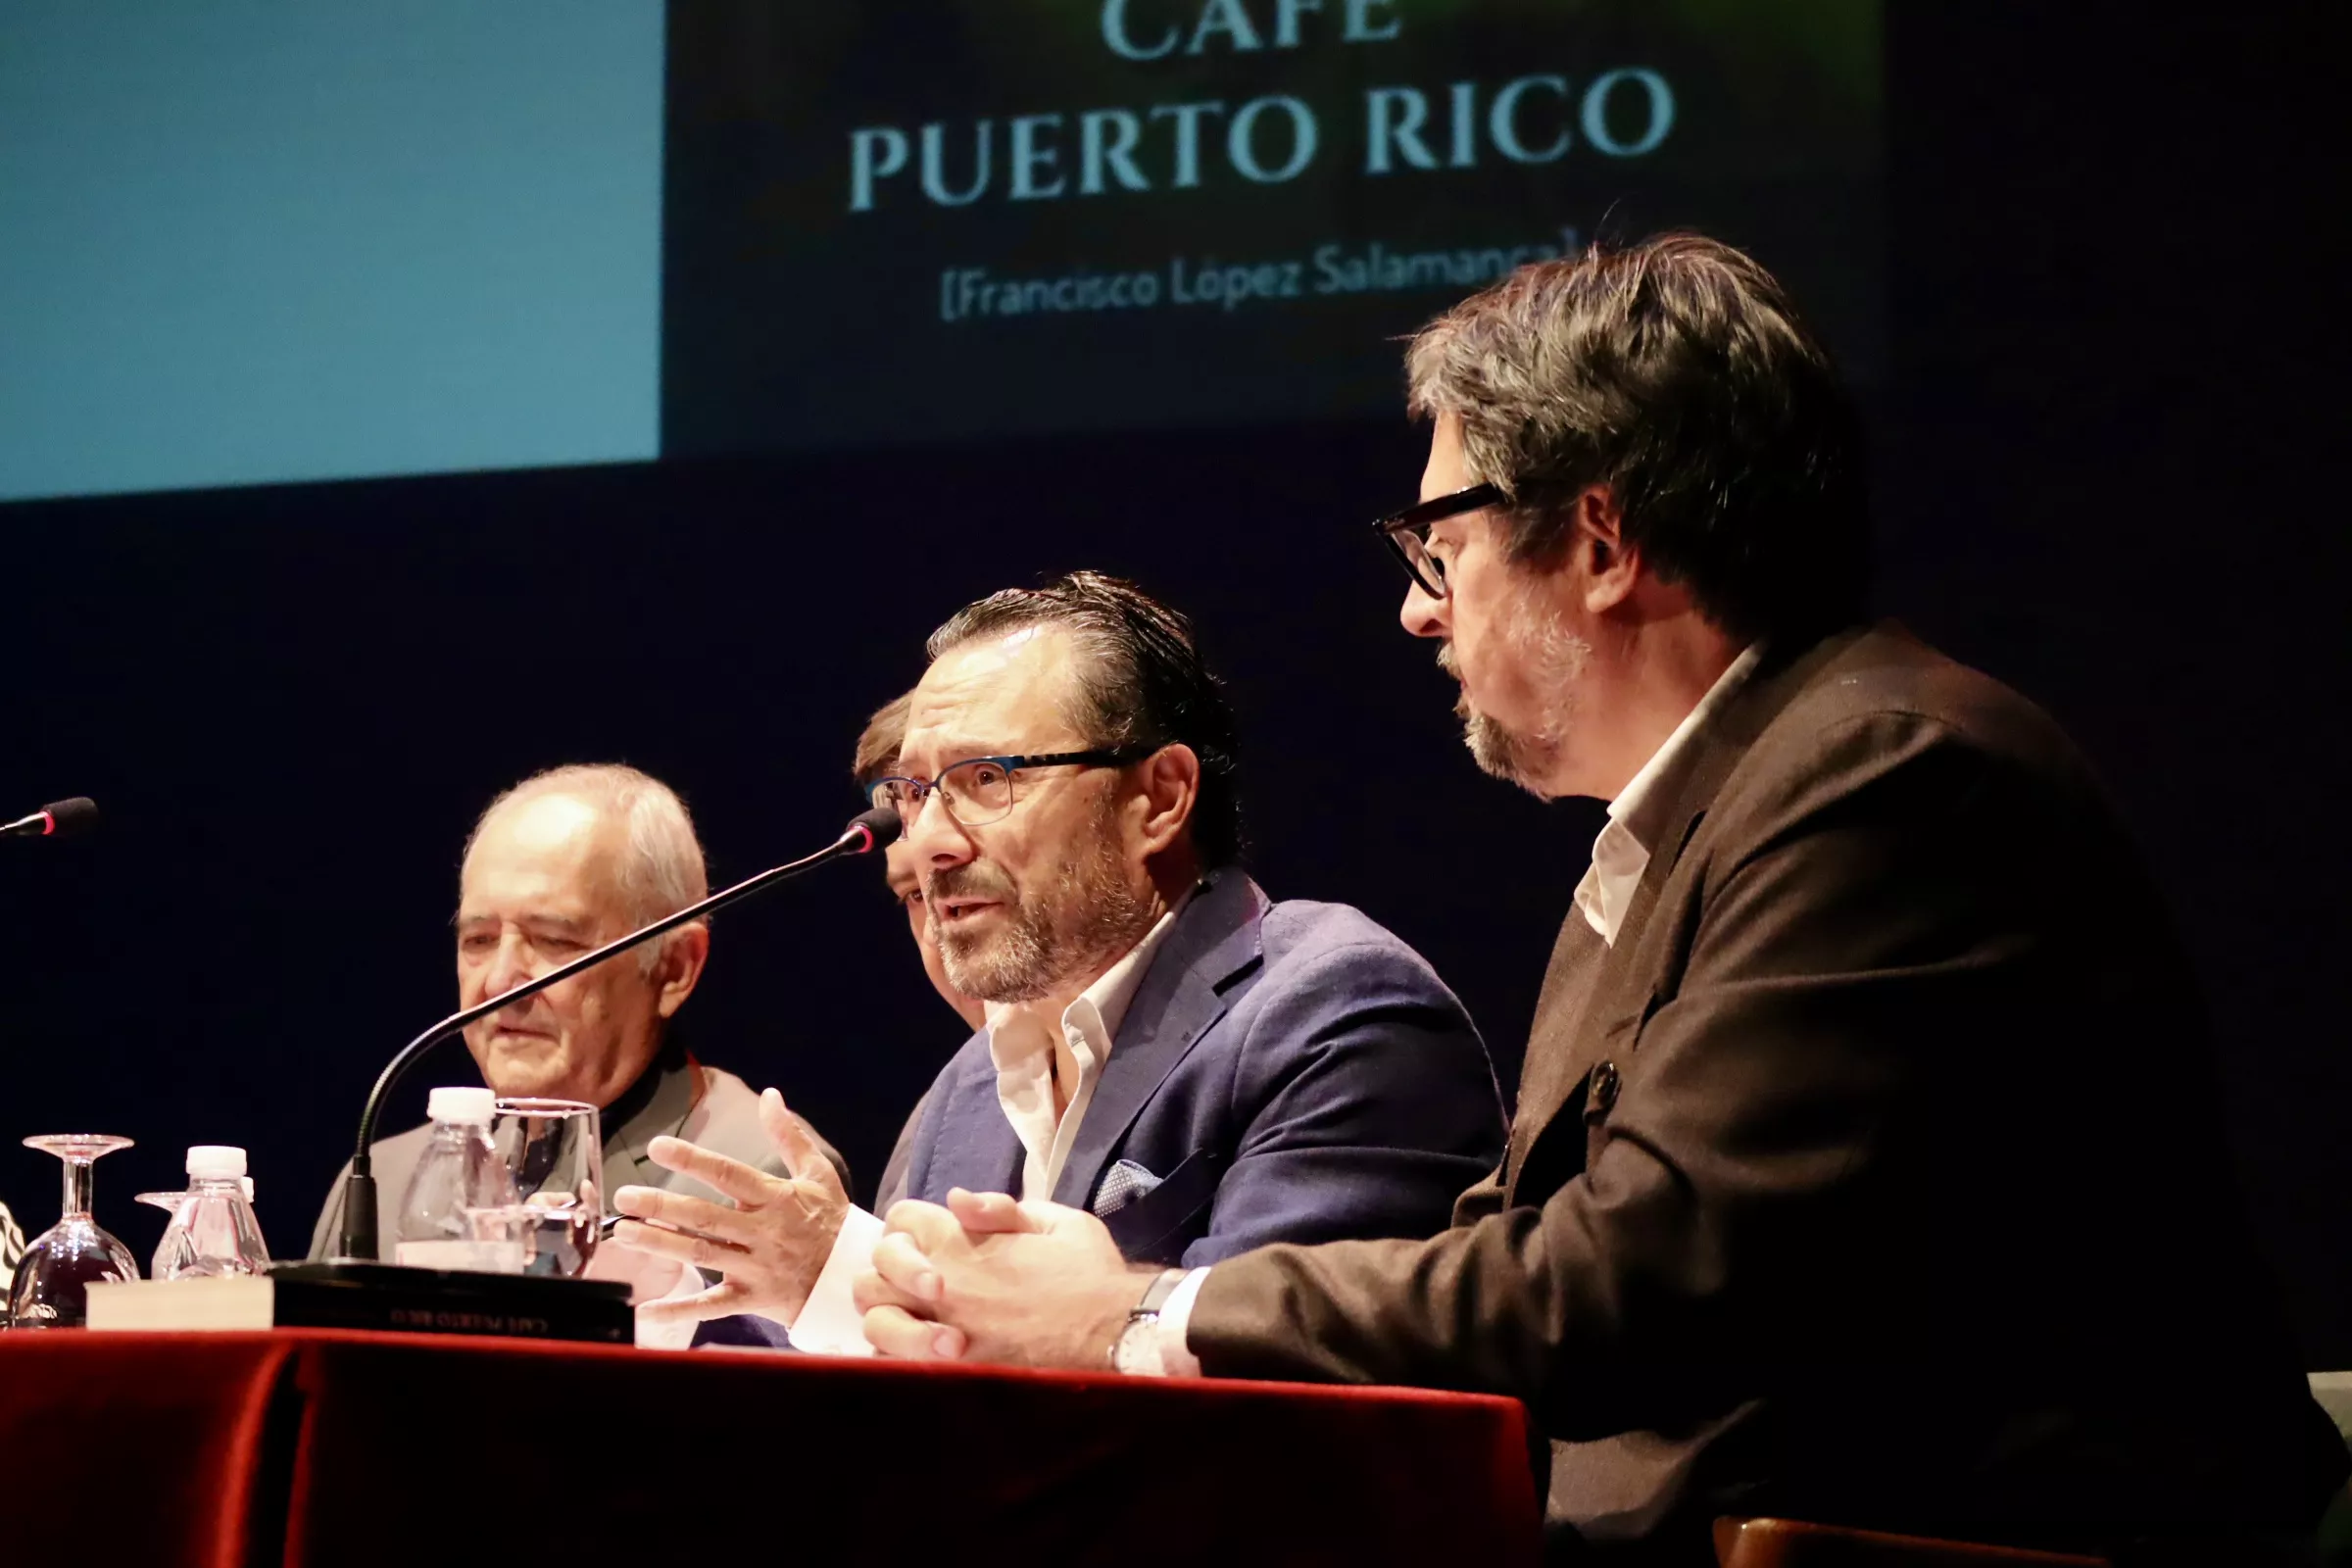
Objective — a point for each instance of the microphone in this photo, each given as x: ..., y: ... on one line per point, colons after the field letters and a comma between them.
x: 56, y: 820
x: 866, y: 832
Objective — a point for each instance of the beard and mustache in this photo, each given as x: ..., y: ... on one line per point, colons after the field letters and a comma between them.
x: 1551, y: 658
x: 1087, y: 914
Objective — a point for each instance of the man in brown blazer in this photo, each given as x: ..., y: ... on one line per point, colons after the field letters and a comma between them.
x: 1867, y: 1165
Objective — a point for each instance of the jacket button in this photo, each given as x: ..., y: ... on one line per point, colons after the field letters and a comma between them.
x: 1603, y: 1092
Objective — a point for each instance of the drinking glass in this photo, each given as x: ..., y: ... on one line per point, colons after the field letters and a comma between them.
x: 169, y: 1204
x: 52, y: 1282
x: 556, y: 1148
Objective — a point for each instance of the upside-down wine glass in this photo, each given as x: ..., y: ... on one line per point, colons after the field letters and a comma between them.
x: 169, y: 1204
x: 64, y: 1260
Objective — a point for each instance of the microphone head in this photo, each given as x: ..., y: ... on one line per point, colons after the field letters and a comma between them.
x: 68, y: 817
x: 881, y: 825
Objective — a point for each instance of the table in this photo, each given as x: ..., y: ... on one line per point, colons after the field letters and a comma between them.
x: 312, y: 1447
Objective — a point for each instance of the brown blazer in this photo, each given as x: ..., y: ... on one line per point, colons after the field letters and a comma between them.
x: 1875, y: 1175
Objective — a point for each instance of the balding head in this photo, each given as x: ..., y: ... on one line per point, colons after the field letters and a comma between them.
x: 657, y: 862
x: 558, y: 865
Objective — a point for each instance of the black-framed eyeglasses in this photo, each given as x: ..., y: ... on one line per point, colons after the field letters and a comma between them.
x: 1406, y: 533
x: 978, y: 790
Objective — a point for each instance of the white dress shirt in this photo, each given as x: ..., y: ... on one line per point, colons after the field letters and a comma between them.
x: 1620, y: 855
x: 1030, y: 1055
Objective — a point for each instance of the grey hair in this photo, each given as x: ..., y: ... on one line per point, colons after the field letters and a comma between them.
x: 660, y: 869
x: 1677, y: 373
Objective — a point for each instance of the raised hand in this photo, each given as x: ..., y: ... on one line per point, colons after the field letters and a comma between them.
x: 770, y: 1241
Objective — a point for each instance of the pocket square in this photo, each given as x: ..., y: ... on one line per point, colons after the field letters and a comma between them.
x: 1121, y: 1185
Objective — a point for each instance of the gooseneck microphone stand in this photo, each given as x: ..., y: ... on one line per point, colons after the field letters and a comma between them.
x: 356, y: 1238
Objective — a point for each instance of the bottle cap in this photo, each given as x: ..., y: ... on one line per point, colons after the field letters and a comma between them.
x: 473, y: 1106
x: 216, y: 1162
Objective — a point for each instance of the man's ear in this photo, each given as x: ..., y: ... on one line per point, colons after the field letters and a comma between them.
x: 1613, y: 567
x: 679, y: 970
x: 1171, y: 788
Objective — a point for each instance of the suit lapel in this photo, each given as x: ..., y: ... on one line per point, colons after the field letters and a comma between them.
x: 1556, y: 1057
x: 1605, y: 990
x: 664, y: 1110
x: 1215, y: 940
x: 975, y: 1146
x: 1717, y: 748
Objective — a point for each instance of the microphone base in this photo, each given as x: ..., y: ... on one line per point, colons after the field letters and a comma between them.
x: 357, y: 1239
x: 362, y: 1293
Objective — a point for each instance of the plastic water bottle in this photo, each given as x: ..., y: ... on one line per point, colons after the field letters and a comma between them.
x: 458, y: 1174
x: 214, y: 1230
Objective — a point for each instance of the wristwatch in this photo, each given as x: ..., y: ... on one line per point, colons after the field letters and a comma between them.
x: 1136, y: 1351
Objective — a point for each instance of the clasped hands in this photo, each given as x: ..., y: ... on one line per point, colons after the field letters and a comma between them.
x: 984, y: 1279
x: 988, y: 1279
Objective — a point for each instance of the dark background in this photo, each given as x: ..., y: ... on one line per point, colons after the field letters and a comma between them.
x: 2107, y: 461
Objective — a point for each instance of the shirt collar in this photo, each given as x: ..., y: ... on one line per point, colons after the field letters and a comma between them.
x: 1021, y: 1046
x: 1101, y: 1007
x: 1638, y: 804
x: 1622, y: 851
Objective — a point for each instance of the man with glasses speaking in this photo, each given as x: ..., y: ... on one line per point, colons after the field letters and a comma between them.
x: 1202, y: 1069
x: 1867, y: 1169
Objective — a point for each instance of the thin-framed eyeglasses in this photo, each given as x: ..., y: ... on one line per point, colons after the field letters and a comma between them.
x: 979, y: 790
x: 1406, y: 533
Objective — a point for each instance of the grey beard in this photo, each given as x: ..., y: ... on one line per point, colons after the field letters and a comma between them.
x: 1554, y: 658
x: 1086, y: 919
x: 1499, y: 752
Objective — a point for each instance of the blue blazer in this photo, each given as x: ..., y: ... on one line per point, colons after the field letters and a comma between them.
x: 1286, y: 1072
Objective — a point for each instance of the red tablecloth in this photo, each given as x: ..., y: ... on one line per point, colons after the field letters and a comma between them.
x: 308, y: 1447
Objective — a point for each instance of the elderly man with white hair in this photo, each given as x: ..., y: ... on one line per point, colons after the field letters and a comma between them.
x: 561, y: 863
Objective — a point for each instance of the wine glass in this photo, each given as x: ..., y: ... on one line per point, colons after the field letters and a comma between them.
x: 52, y: 1282
x: 158, y: 1267
x: 556, y: 1148
x: 169, y: 1203
x: 174, y: 1253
